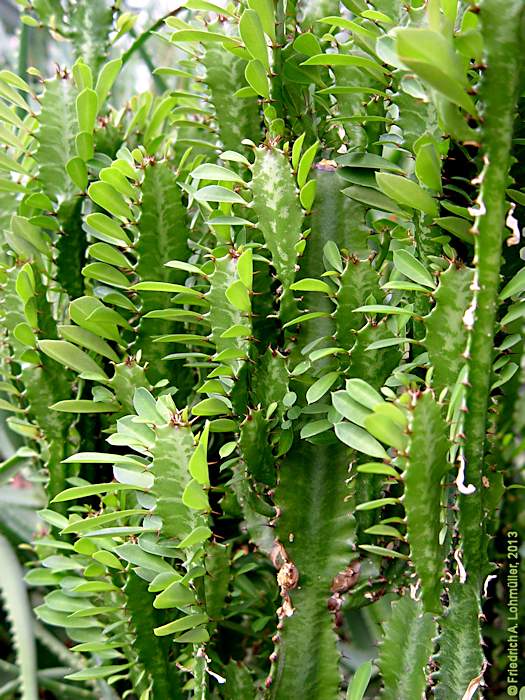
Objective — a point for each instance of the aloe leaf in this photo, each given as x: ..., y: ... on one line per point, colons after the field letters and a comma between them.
x: 14, y: 596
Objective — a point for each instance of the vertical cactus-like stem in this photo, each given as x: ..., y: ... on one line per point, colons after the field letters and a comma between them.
x: 502, y: 30
x: 280, y: 40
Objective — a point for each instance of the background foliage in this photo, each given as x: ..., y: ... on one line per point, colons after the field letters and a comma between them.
x: 262, y: 349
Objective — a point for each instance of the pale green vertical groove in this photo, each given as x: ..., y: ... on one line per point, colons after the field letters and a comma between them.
x: 502, y: 32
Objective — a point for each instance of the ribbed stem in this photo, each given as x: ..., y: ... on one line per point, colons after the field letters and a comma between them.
x: 280, y: 39
x: 502, y: 33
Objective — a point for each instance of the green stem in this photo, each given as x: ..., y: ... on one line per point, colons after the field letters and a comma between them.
x: 159, y: 81
x: 138, y: 47
x: 502, y: 33
x: 280, y: 40
x: 23, y: 53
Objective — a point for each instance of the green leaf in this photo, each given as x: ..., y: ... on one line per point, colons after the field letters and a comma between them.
x: 216, y: 193
x: 252, y: 34
x: 363, y: 393
x: 102, y: 458
x: 109, y: 227
x: 195, y: 497
x: 257, y: 78
x: 307, y: 195
x: 359, y: 683
x: 266, y: 11
x: 312, y: 285
x: 205, y: 37
x: 107, y: 559
x: 210, y: 407
x: 315, y: 428
x: 461, y: 228
x: 77, y: 171
x: 69, y: 355
x: 198, y: 464
x: 412, y: 268
x: 209, y: 171
x: 91, y: 523
x: 514, y: 287
x: 239, y: 296
x: 174, y: 596
x: 197, y: 536
x: 406, y: 192
x: 106, y: 78
x: 296, y: 150
x: 385, y: 429
x: 383, y: 309
x: 432, y: 57
x: 377, y: 468
x: 91, y: 490
x: 245, y: 268
x: 97, y: 673
x: 87, y: 109
x: 108, y: 198
x: 368, y: 160
x: 333, y: 256
x: 321, y: 386
x: 106, y: 273
x: 349, y: 408
x: 372, y: 198
x: 378, y: 503
x: 339, y: 59
x: 306, y: 317
x: 199, y: 635
x: 358, y: 439
x: 428, y: 167
x: 133, y: 554
x: 183, y: 623
x: 83, y: 406
x: 108, y: 254
x: 388, y: 343
x: 305, y: 164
